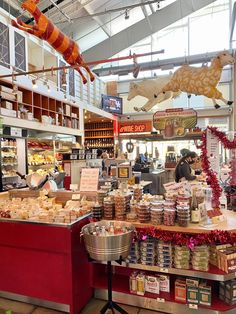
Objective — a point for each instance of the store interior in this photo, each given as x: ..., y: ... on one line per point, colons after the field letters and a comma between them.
x: 117, y: 157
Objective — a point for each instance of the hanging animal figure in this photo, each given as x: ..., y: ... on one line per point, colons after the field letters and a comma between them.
x: 46, y: 30
x: 200, y: 81
x: 147, y: 88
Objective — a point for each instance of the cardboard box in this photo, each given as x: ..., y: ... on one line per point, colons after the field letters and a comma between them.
x: 180, y: 290
x: 7, y: 112
x: 192, y: 294
x: 205, y: 295
x: 164, y: 283
x: 226, y: 259
x: 193, y: 282
x: 6, y: 89
x: 68, y: 110
x: 152, y: 284
x: 7, y: 104
x: 19, y: 96
x: 8, y: 96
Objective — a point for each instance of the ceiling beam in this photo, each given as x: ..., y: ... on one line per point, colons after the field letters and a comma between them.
x: 146, y: 15
x: 99, y: 22
x: 167, y: 64
x: 140, y: 30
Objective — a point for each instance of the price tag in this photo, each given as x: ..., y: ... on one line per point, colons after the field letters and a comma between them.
x: 76, y: 197
x: 193, y: 306
x: 161, y: 300
x: 164, y: 270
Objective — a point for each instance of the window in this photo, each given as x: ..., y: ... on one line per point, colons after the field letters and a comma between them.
x: 62, y: 77
x: 20, y: 60
x: 4, y: 45
x: 72, y: 82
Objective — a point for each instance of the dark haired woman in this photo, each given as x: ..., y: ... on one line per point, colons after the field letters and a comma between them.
x: 183, y: 169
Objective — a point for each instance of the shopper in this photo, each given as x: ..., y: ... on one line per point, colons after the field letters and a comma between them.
x: 183, y: 170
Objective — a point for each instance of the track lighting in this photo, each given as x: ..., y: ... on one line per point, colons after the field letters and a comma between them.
x: 126, y: 14
x: 34, y: 83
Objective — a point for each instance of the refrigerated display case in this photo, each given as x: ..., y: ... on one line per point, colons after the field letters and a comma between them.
x: 13, y: 160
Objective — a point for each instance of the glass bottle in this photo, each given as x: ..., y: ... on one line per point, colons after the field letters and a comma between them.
x: 195, y: 212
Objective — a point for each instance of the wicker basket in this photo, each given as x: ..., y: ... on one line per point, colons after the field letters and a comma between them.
x: 108, y: 248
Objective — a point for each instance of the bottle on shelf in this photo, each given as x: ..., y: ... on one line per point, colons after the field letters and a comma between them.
x: 195, y: 212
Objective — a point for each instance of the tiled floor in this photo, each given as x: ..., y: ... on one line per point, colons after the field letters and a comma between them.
x: 93, y: 307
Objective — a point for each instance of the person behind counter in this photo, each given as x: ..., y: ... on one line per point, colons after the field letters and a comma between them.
x: 183, y: 169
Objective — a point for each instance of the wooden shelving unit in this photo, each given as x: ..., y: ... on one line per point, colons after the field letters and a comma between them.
x: 100, y: 135
x: 32, y: 106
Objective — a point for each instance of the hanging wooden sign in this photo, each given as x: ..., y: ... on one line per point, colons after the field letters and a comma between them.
x: 174, y: 122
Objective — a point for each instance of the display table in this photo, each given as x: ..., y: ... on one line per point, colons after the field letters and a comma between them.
x: 45, y: 264
x: 165, y: 302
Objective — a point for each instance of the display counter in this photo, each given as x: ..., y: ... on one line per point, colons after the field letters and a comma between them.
x: 166, y: 302
x: 45, y: 264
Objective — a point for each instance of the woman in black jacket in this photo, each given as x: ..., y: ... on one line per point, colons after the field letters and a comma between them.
x: 183, y: 169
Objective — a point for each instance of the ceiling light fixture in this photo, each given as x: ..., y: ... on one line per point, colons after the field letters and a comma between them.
x: 126, y: 14
x: 34, y: 83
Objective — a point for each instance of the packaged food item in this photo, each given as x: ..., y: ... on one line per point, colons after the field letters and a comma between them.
x: 140, y: 283
x: 205, y: 296
x: 192, y: 294
x: 164, y: 282
x: 133, y: 282
x: 152, y: 284
x: 180, y: 290
x: 200, y: 258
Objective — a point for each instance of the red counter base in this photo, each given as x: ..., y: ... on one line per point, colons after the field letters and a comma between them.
x: 45, y: 262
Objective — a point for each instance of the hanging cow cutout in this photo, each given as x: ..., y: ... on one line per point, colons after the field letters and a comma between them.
x: 46, y: 30
x: 200, y: 81
x: 147, y: 88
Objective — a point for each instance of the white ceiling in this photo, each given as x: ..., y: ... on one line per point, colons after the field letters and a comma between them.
x: 100, y: 27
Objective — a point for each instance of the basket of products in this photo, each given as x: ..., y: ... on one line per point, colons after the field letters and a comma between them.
x: 108, y: 240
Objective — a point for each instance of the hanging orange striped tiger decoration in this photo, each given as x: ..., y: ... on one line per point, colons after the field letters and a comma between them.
x: 44, y: 29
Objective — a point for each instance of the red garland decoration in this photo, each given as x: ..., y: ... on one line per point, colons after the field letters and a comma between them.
x: 211, y: 175
x: 214, y: 237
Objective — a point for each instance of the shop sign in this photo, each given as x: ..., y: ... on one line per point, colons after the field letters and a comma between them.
x: 174, y: 122
x: 213, y: 151
x: 89, y: 180
x: 16, y: 132
x: 135, y: 127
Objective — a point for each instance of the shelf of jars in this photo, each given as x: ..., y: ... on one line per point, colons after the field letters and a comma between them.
x: 100, y: 135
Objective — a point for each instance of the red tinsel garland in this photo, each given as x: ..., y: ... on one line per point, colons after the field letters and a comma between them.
x: 180, y: 238
x: 211, y: 175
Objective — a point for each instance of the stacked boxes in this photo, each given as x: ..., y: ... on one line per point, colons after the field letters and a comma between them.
x: 213, y: 252
x: 192, y: 291
x: 200, y: 258
x: 164, y: 254
x: 182, y: 257
x: 134, y: 254
x: 147, y: 252
x: 226, y: 259
x: 227, y: 292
